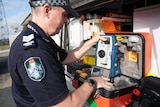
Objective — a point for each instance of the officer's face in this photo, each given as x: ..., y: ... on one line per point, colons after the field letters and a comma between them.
x: 58, y: 16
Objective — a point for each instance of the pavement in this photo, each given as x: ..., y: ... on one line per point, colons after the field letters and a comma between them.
x: 6, y: 99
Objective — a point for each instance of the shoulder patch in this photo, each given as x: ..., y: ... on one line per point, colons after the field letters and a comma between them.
x: 34, y: 68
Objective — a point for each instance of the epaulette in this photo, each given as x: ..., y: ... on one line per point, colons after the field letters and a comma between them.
x: 29, y: 41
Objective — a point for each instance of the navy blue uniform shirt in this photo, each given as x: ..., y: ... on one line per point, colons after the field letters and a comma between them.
x: 35, y: 66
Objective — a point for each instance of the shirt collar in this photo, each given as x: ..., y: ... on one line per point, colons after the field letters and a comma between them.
x: 35, y: 28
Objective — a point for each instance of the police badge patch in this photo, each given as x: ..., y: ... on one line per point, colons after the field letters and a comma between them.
x: 34, y: 68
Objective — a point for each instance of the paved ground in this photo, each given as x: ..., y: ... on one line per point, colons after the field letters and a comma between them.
x: 6, y: 99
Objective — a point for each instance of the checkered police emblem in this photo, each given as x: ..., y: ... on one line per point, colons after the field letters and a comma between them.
x: 34, y: 68
x: 50, y: 2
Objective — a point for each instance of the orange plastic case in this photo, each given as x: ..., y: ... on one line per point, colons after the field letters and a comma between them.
x: 113, y: 102
x: 121, y: 96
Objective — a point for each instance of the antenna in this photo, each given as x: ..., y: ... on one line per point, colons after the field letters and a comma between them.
x: 4, y: 32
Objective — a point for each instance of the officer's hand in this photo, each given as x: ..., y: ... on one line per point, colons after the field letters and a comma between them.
x: 98, y: 37
x: 103, y: 82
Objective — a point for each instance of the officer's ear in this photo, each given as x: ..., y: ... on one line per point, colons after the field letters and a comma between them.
x: 46, y: 9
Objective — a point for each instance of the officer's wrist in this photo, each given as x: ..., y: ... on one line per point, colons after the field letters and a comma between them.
x: 92, y: 83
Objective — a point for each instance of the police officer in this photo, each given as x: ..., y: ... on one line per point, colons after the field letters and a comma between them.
x: 35, y: 60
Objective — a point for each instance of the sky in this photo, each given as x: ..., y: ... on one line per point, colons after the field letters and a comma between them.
x: 15, y: 12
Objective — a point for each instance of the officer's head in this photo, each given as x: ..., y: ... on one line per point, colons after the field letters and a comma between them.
x: 62, y: 3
